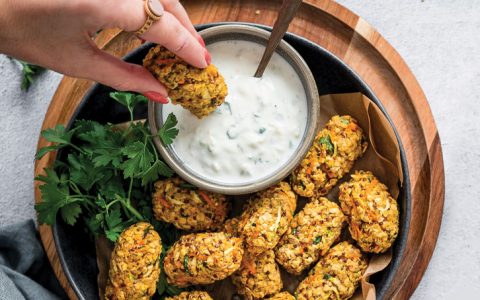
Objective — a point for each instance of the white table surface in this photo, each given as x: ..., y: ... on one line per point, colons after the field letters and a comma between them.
x: 439, y: 40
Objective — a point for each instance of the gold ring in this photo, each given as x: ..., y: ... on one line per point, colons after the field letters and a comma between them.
x: 154, y: 10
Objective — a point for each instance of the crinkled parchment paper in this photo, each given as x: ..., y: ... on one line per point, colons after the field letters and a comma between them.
x: 382, y: 158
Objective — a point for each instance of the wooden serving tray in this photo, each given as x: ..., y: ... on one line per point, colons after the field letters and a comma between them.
x: 361, y: 47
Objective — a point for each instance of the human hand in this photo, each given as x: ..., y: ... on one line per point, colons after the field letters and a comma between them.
x: 57, y: 34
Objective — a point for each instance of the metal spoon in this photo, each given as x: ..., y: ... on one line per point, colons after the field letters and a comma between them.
x: 285, y: 16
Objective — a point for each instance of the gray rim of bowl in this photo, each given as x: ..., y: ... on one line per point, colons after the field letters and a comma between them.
x: 249, y: 33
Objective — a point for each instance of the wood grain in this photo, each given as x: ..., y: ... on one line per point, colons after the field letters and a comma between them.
x: 361, y: 47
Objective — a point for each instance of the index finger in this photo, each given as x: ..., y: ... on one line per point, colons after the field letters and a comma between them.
x: 177, y: 9
x: 169, y: 32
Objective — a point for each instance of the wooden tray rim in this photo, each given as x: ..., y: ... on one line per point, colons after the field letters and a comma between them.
x: 411, y: 85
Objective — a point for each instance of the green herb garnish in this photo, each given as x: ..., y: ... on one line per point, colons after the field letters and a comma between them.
x: 106, y: 174
x: 185, y: 264
x: 147, y: 230
x: 129, y: 100
x: 294, y: 231
x: 325, y: 140
x: 317, y: 240
x: 327, y: 276
x: 344, y: 121
x: 106, y: 177
x: 56, y: 135
x: 168, y: 132
x: 29, y: 73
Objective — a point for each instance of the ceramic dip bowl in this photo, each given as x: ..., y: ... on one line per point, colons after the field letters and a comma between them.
x: 224, y: 152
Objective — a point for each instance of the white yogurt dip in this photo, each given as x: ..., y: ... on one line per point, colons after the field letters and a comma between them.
x: 256, y: 130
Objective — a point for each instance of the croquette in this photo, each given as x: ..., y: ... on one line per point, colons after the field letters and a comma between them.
x: 202, y: 258
x: 336, y: 275
x: 194, y: 295
x: 200, y: 91
x: 135, y: 264
x: 258, y: 276
x: 312, y: 232
x: 186, y: 207
x: 282, y: 296
x: 371, y: 211
x: 332, y: 155
x: 266, y: 217
x: 318, y: 288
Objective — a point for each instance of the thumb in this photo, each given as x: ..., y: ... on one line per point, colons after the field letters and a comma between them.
x: 120, y: 75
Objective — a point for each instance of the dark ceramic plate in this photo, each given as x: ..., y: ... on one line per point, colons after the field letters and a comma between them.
x: 76, y: 247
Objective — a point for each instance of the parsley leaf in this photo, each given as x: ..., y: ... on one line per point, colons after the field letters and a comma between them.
x: 29, y: 72
x: 57, y: 135
x: 139, y: 159
x: 325, y: 140
x: 159, y: 168
x: 41, y: 153
x: 83, y: 172
x: 317, y: 240
x: 129, y: 100
x: 110, y: 187
x: 104, y: 143
x: 95, y: 223
x: 168, y: 132
x: 114, y: 224
x: 104, y: 157
x: 92, y: 132
x: 70, y: 213
x: 55, y: 196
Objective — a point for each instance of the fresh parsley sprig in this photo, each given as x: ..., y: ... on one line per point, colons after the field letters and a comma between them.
x: 129, y: 100
x: 29, y: 73
x: 168, y: 132
x: 107, y: 177
x: 106, y: 173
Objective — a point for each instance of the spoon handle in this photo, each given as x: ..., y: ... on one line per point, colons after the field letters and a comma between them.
x: 285, y: 16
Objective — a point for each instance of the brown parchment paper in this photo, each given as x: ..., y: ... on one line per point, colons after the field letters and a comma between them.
x: 103, y: 248
x: 382, y: 158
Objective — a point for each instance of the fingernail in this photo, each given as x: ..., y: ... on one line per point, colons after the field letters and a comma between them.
x: 142, y: 40
x: 156, y: 97
x: 201, y: 41
x: 208, y: 58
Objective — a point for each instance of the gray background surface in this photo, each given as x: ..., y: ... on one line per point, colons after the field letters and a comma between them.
x: 439, y: 40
